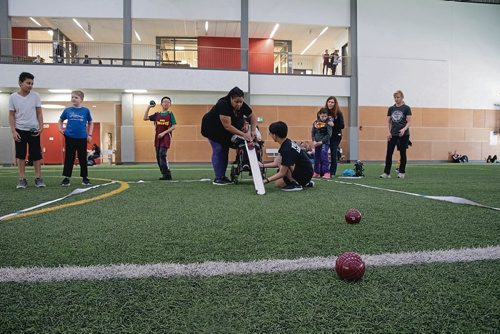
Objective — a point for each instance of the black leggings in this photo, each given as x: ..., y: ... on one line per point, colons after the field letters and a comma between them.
x: 402, y: 144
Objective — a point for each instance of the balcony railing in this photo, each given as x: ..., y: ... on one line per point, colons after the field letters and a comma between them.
x: 148, y: 55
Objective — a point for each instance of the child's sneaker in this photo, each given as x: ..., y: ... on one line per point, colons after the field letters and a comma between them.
x: 292, y: 186
x: 316, y: 175
x: 401, y: 175
x: 65, y: 182
x: 39, y: 183
x: 86, y: 182
x: 385, y: 176
x: 326, y: 176
x: 22, y: 183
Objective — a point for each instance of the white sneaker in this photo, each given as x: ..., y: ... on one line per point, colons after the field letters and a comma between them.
x: 385, y: 176
x: 401, y: 175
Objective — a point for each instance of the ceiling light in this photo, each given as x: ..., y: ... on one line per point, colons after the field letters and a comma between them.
x: 53, y: 106
x: 274, y: 30
x: 35, y: 21
x: 206, y: 26
x: 85, y: 31
x: 136, y: 91
x: 179, y: 48
x: 314, y: 41
x: 323, y: 31
x: 137, y: 35
x: 60, y: 90
x: 310, y: 44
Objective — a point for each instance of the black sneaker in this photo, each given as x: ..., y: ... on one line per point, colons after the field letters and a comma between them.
x: 23, y: 183
x: 292, y: 186
x: 65, y: 182
x: 166, y: 178
x: 221, y: 182
x: 310, y: 184
x: 86, y: 182
x: 39, y: 183
x: 228, y: 180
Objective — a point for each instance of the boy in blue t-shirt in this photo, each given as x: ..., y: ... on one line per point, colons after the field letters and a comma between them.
x: 76, y: 137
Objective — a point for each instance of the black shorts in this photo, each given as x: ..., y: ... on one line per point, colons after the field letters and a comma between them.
x: 33, y: 142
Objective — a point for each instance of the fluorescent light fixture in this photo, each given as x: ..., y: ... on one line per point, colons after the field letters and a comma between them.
x: 137, y: 35
x: 314, y: 41
x: 307, y: 47
x: 276, y: 26
x: 206, y: 26
x: 35, y: 21
x: 323, y: 31
x: 53, y: 106
x: 85, y: 31
x: 60, y: 90
x: 136, y: 91
x: 179, y: 48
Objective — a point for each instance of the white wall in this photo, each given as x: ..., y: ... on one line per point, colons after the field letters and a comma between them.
x: 121, y: 78
x: 319, y: 12
x: 296, y: 89
x: 440, y: 53
x: 229, y: 10
x: 63, y: 8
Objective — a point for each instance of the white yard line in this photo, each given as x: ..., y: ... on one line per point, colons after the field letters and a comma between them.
x: 206, y: 269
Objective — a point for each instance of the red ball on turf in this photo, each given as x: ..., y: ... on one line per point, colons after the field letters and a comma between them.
x: 353, y: 216
x: 350, y: 266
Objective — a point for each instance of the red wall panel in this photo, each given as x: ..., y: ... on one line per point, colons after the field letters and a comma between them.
x: 19, y: 44
x: 224, y: 52
x: 261, y: 57
x: 219, y: 52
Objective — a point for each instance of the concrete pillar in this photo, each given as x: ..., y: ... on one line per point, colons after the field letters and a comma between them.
x: 127, y: 129
x: 353, y: 99
x: 5, y: 29
x: 7, y: 153
x: 127, y: 31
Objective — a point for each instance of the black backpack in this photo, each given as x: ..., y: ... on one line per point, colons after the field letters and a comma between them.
x: 358, y: 169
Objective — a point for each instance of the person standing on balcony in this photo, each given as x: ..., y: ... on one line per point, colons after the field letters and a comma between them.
x: 326, y: 62
x: 164, y: 125
x: 335, y: 60
x: 224, y: 120
x: 59, y: 53
x: 26, y: 123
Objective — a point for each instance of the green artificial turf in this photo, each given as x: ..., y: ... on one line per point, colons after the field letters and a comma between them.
x: 194, y: 221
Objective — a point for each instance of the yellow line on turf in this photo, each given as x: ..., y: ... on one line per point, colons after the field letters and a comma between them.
x: 123, y: 186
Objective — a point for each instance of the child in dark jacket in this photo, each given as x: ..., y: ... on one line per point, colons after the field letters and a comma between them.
x: 321, y: 134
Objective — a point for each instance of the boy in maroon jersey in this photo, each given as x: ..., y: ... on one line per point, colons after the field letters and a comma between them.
x: 164, y: 125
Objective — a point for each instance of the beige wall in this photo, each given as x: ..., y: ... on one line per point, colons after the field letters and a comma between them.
x: 188, y: 145
x: 435, y: 133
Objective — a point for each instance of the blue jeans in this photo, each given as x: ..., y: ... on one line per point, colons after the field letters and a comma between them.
x: 321, y: 159
x: 220, y: 158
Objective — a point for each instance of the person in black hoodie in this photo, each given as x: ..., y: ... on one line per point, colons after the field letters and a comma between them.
x: 337, y: 124
x: 224, y: 120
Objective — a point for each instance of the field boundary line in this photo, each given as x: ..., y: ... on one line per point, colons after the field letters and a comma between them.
x: 208, y: 269
x: 31, y: 211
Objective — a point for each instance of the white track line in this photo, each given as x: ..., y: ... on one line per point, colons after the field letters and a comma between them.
x: 206, y: 269
x: 451, y: 199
